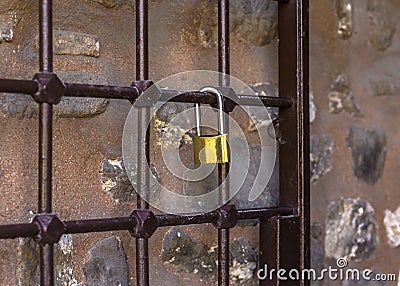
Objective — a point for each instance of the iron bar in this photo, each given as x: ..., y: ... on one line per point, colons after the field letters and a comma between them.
x: 101, y: 91
x: 18, y: 230
x: 18, y: 86
x: 98, y: 225
x: 143, y: 177
x: 223, y: 169
x: 174, y: 220
x: 45, y: 138
x: 209, y: 98
x: 132, y: 93
x: 264, y: 213
x: 294, y: 122
x: 127, y: 223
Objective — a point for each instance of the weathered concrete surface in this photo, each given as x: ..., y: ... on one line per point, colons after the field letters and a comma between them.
x: 254, y: 21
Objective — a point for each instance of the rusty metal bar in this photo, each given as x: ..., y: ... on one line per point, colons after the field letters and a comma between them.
x: 143, y: 177
x: 98, y: 225
x: 18, y: 230
x: 209, y: 98
x: 173, y: 220
x: 45, y: 137
x: 223, y: 169
x: 264, y: 213
x: 18, y: 86
x: 101, y: 91
x: 294, y: 164
x: 132, y: 93
x: 129, y: 222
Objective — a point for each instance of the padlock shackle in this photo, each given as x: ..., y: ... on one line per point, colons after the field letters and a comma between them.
x: 219, y: 96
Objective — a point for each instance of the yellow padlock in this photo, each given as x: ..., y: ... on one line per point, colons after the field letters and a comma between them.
x: 211, y: 149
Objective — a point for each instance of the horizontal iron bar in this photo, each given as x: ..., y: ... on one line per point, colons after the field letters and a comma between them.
x: 19, y: 230
x: 18, y: 86
x: 264, y: 213
x: 128, y: 223
x: 99, y: 225
x: 132, y: 93
x: 173, y: 220
x: 101, y: 91
x: 209, y: 98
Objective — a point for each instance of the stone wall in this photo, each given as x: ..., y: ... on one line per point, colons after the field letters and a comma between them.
x: 354, y: 86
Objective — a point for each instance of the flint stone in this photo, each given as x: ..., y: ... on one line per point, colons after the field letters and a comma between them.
x: 368, y: 149
x: 381, y: 24
x: 189, y: 254
x: 344, y: 14
x: 243, y: 260
x: 392, y: 225
x: 317, y: 251
x: 342, y: 98
x: 193, y: 256
x: 116, y: 181
x: 27, y: 270
x: 107, y: 264
x: 7, y: 23
x: 260, y: 118
x: 350, y: 229
x: 75, y: 43
x: 320, y: 156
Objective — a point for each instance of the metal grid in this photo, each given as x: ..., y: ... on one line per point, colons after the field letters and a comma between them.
x: 284, y: 230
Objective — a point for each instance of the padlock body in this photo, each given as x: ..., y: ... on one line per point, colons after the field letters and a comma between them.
x: 211, y: 149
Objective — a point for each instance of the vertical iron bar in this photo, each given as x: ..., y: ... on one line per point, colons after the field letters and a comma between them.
x: 45, y: 137
x: 223, y: 169
x: 280, y: 252
x: 143, y: 179
x: 294, y: 150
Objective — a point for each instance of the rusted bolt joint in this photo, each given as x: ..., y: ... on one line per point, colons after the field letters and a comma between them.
x: 227, y: 217
x: 51, y: 228
x: 146, y: 223
x: 153, y: 94
x: 50, y: 88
